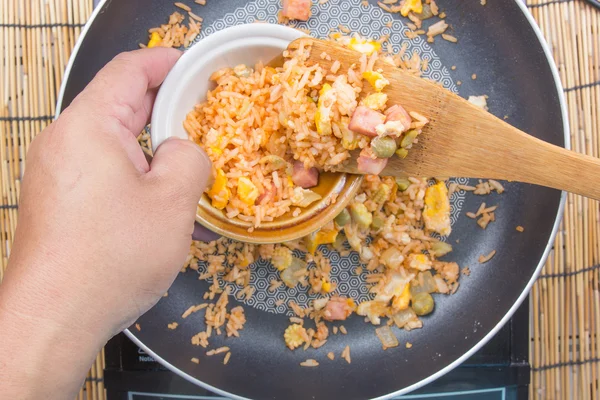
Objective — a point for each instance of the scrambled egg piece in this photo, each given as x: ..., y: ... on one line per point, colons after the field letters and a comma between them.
x: 437, y: 209
x: 323, y: 115
x: 294, y: 336
x: 219, y: 192
x: 375, y: 101
x: 364, y: 46
x: 247, y: 191
x: 419, y: 261
x: 402, y: 301
x: 282, y: 258
x: 314, y: 240
x: 415, y: 6
x: 155, y: 40
x: 395, y: 284
x: 375, y: 79
x: 214, y: 143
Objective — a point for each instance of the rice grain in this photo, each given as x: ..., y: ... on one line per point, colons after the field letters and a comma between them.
x: 485, y: 258
x: 310, y: 363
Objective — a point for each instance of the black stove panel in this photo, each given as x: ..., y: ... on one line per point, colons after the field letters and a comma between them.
x: 499, y: 370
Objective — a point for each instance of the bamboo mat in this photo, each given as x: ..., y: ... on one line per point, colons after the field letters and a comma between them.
x: 565, y: 301
x: 37, y: 37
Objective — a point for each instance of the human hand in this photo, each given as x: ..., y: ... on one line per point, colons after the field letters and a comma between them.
x: 102, y: 233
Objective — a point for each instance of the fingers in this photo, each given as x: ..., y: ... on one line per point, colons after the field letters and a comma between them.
x: 121, y: 89
x: 183, y: 169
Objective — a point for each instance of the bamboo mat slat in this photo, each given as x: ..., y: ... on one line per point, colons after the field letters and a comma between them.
x: 36, y: 40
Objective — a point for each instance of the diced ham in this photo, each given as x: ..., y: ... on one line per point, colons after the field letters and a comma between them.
x: 269, y: 194
x: 367, y: 164
x: 337, y: 309
x: 305, y: 178
x: 398, y: 113
x: 296, y: 9
x: 364, y: 121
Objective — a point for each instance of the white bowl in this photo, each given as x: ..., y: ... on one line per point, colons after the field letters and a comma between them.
x: 187, y: 83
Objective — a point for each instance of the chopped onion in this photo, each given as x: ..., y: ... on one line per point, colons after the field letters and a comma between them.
x: 426, y: 13
x: 437, y: 28
x: 392, y: 258
x: 387, y: 337
x: 403, y: 317
x: 291, y: 276
x: 319, y: 304
x: 441, y: 285
x: 304, y: 197
x: 441, y: 248
x: 423, y: 283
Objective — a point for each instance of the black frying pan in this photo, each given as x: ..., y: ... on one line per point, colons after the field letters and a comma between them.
x: 501, y: 45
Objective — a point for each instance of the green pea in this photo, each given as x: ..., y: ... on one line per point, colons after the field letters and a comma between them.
x: 402, y: 183
x: 378, y: 222
x: 402, y: 153
x: 422, y: 303
x: 342, y: 218
x: 409, y: 138
x: 383, y: 147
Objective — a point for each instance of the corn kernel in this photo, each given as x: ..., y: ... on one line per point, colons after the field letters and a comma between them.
x: 326, y: 286
x: 244, y: 262
x: 282, y: 258
x: 361, y: 215
x: 382, y: 194
x: 351, y: 303
x: 294, y: 336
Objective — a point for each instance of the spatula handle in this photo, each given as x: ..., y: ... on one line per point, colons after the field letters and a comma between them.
x: 562, y: 169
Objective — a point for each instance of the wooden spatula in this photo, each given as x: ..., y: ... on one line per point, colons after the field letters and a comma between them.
x: 463, y: 140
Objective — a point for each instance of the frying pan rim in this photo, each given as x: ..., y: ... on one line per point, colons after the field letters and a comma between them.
x: 491, y: 333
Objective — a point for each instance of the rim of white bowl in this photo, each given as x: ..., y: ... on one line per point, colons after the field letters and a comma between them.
x: 197, y: 55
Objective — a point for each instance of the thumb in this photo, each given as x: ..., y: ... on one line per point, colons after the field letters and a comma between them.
x: 184, y: 167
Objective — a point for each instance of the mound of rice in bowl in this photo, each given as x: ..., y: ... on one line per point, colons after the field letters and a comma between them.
x: 269, y: 131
